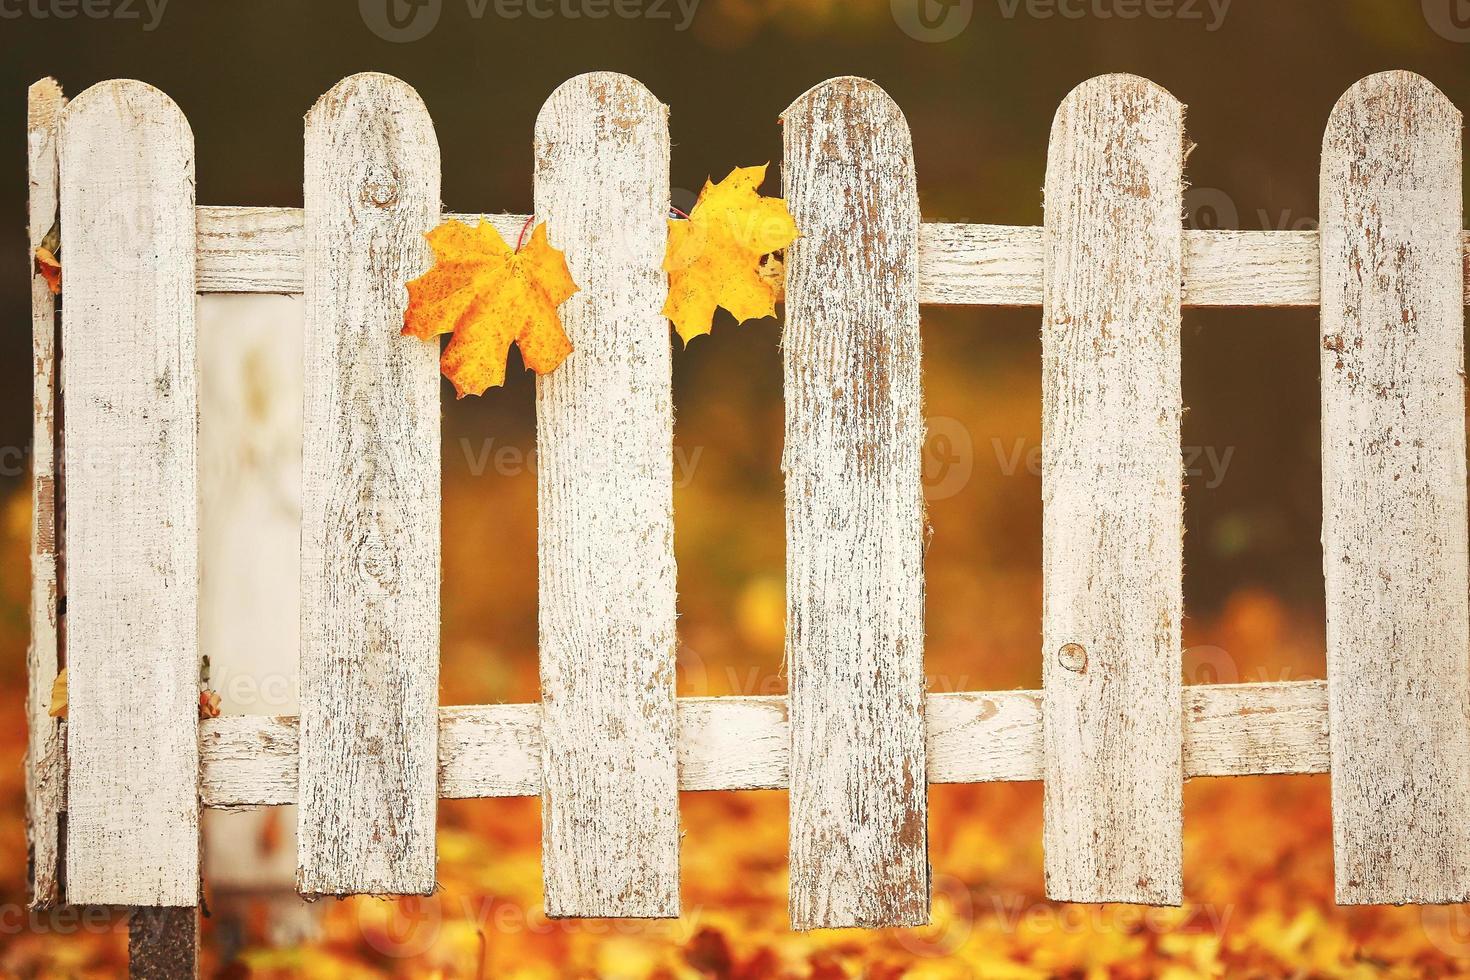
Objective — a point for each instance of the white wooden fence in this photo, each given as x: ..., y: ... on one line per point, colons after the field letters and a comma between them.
x: 1113, y: 733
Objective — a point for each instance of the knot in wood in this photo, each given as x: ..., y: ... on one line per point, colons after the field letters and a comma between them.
x: 380, y: 187
x: 1073, y: 657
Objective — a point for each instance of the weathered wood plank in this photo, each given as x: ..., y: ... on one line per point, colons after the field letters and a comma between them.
x: 1252, y: 268
x: 132, y: 639
x: 1112, y: 495
x: 743, y: 743
x: 258, y: 250
x: 995, y: 736
x: 1255, y: 729
x: 854, y: 514
x: 610, y: 803
x: 1393, y: 493
x: 45, y: 776
x: 369, y: 499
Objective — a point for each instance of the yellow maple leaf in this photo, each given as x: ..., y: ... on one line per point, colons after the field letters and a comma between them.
x: 715, y: 257
x: 58, y: 695
x: 489, y: 295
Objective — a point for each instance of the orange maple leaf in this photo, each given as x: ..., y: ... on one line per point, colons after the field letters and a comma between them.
x: 718, y: 257
x: 489, y: 296
x: 48, y: 267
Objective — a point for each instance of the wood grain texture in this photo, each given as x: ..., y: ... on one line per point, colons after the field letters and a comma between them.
x: 369, y: 499
x: 743, y: 743
x: 1393, y: 493
x: 1112, y: 495
x: 995, y: 736
x: 132, y: 638
x: 45, y: 776
x: 251, y: 250
x: 1255, y: 729
x: 610, y: 803
x: 258, y: 250
x: 1252, y: 268
x: 854, y: 514
x: 249, y: 760
x: 490, y: 750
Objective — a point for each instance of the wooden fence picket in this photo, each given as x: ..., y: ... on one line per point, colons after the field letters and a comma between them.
x: 370, y: 499
x: 854, y: 514
x: 132, y: 643
x: 610, y: 803
x: 1112, y: 484
x: 45, y: 764
x: 1393, y: 493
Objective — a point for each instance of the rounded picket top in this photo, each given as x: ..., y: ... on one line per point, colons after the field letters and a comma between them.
x: 136, y: 146
x: 125, y: 108
x: 374, y: 116
x: 372, y: 93
x: 626, y: 100
x: 1400, y: 97
x: 370, y: 84
x: 866, y: 99
x: 1138, y: 96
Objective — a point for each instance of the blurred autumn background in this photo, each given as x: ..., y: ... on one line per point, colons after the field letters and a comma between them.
x: 1259, y: 78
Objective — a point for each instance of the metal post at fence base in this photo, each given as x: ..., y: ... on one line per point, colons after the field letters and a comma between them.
x: 163, y: 942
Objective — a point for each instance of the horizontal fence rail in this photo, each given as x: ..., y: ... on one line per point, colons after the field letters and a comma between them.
x: 1113, y: 733
x: 742, y: 743
x: 258, y: 250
